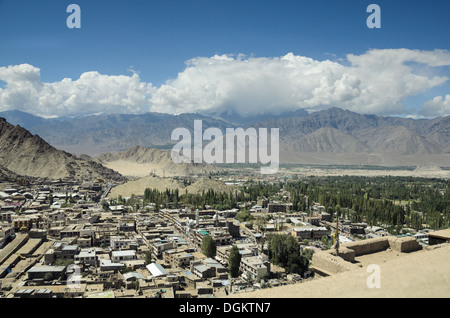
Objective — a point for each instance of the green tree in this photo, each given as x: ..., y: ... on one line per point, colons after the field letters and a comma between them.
x: 284, y: 251
x: 148, y: 257
x: 209, y: 246
x: 244, y: 216
x: 234, y: 262
x: 249, y: 279
x: 326, y: 241
x: 105, y: 205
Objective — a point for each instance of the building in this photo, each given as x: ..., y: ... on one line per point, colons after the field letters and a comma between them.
x: 47, y: 272
x: 108, y: 265
x: 309, y: 233
x: 120, y: 243
x: 439, y: 237
x: 325, y: 216
x: 6, y: 233
x: 156, y: 270
x: 221, y: 236
x: 255, y: 266
x: 203, y: 271
x: 68, y: 251
x: 87, y: 257
x: 121, y: 256
x: 160, y: 246
x: 21, y: 224
x: 176, y: 258
x: 279, y: 207
x: 313, y: 220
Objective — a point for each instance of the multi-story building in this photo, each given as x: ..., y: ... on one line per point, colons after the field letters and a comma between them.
x: 177, y: 258
x: 279, y: 207
x: 87, y: 256
x: 220, y: 235
x: 120, y: 243
x: 309, y: 232
x: 5, y: 233
x: 255, y: 266
x: 159, y: 247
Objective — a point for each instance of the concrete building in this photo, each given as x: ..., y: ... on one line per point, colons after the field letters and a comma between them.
x: 6, y: 233
x: 108, y: 265
x: 41, y: 272
x: 120, y: 256
x: 279, y: 207
x: 177, y: 258
x: 87, y: 257
x: 309, y: 233
x: 256, y: 266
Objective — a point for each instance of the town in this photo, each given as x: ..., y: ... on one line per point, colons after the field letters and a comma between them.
x: 64, y: 239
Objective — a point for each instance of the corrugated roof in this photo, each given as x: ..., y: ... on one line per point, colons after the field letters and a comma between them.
x: 156, y: 270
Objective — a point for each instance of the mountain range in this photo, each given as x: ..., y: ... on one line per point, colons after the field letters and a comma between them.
x: 331, y: 136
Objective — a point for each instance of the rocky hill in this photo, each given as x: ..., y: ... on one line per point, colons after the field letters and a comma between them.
x: 141, y: 161
x: 8, y: 176
x: 29, y: 155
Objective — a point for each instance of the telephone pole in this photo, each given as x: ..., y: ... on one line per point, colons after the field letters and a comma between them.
x: 336, y: 245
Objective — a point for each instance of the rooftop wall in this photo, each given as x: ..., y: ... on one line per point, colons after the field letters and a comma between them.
x: 328, y: 263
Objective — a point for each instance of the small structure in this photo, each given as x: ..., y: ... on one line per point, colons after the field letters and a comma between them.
x: 439, y: 237
x: 156, y: 270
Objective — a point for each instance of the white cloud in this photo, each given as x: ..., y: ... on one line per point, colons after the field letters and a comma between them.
x: 378, y: 82
x: 438, y: 106
x: 91, y: 93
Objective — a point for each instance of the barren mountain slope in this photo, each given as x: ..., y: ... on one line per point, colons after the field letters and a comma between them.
x: 30, y: 155
x: 140, y: 161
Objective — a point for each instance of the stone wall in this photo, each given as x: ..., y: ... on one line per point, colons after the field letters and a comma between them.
x: 327, y: 262
x: 368, y: 246
x: 324, y: 261
x: 375, y: 245
x: 404, y: 244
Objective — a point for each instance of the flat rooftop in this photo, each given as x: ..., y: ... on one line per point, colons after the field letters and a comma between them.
x: 442, y: 234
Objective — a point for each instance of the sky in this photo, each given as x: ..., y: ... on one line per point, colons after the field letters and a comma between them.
x: 213, y: 56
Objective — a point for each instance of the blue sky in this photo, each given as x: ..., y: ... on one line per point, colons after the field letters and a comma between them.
x: 157, y: 38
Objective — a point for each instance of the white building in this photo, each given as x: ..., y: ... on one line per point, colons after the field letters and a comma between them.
x: 87, y: 256
x: 254, y: 265
x: 120, y: 256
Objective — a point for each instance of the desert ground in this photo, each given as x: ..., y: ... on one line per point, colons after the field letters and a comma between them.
x: 425, y: 172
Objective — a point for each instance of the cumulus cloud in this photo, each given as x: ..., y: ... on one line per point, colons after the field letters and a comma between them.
x: 438, y: 106
x: 91, y: 93
x: 378, y: 82
x: 256, y: 85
